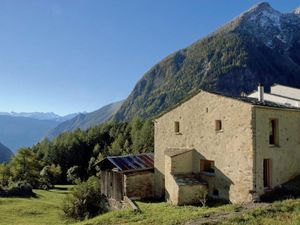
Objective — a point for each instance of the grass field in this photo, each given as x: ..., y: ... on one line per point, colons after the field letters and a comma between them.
x: 45, y: 209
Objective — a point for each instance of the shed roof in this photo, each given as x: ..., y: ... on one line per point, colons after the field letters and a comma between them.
x: 129, y: 163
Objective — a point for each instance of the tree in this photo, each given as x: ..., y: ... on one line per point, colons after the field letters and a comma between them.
x: 26, y: 167
x: 73, y: 174
x: 4, y: 174
x: 50, y: 175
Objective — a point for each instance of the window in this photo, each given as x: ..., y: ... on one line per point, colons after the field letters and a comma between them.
x: 207, y: 166
x: 273, y: 132
x: 215, y: 192
x: 218, y: 125
x: 176, y: 127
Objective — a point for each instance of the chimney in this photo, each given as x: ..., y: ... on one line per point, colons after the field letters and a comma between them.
x: 260, y: 92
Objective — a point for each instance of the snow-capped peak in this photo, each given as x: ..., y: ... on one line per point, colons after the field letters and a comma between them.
x: 297, y: 11
x: 264, y: 15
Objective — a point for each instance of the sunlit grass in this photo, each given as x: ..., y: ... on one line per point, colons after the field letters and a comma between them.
x: 45, y: 208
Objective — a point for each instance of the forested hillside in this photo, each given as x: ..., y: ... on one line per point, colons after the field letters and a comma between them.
x: 259, y: 46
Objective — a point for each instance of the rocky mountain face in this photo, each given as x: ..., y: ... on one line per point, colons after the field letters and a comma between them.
x: 84, y: 121
x: 261, y: 45
x: 5, y: 153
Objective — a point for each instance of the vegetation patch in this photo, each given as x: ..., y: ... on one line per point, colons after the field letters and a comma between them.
x: 86, y: 200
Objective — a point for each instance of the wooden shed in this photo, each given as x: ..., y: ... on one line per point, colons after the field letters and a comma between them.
x: 130, y: 175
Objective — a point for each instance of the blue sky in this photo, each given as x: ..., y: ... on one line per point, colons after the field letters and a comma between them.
x: 77, y: 55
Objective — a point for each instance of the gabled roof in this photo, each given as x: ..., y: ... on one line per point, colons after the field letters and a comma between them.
x: 245, y: 99
x: 128, y: 163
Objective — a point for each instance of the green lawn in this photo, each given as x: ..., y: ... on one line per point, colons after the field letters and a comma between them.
x: 284, y: 212
x: 156, y: 213
x: 45, y: 209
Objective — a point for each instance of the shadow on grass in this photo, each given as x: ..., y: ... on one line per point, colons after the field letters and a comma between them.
x: 288, y: 190
x: 211, y: 202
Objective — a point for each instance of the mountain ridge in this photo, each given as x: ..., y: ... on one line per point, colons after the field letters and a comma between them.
x: 17, y: 132
x: 84, y: 121
x: 5, y: 153
x: 260, y: 45
x: 40, y: 115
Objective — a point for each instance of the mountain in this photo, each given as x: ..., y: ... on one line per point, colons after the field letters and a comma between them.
x: 16, y: 132
x: 261, y: 45
x: 84, y: 121
x: 40, y: 115
x: 5, y: 153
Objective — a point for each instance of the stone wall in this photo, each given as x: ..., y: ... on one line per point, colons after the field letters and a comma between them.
x: 230, y: 149
x: 189, y: 194
x: 285, y: 158
x: 139, y: 184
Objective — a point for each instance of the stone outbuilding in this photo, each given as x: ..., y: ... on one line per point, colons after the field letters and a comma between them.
x: 238, y: 147
x: 130, y: 175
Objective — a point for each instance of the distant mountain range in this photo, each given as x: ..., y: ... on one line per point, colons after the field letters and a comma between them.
x: 40, y: 115
x: 16, y: 132
x: 25, y: 129
x: 261, y: 45
x: 5, y: 153
x: 84, y: 121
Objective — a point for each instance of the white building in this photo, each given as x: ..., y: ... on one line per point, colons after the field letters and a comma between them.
x: 279, y: 94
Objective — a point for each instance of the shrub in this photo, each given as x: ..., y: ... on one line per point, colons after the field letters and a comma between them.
x: 17, y: 189
x: 86, y: 200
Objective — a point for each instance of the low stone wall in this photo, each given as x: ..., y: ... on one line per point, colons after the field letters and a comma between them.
x: 189, y: 194
x: 139, y: 184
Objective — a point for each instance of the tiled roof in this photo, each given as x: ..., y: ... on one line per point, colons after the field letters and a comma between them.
x: 248, y: 100
x: 189, y: 179
x: 129, y: 163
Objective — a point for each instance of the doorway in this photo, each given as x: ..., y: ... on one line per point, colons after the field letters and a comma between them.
x: 267, y: 173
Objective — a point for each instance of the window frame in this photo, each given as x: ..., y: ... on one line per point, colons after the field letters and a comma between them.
x: 203, y: 165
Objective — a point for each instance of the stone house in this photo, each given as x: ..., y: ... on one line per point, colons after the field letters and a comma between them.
x: 236, y: 147
x: 130, y: 175
x: 280, y: 94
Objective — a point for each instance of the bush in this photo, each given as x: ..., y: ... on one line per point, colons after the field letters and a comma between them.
x: 86, y: 200
x: 17, y: 189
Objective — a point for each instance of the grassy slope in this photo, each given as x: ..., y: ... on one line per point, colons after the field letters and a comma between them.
x: 286, y: 212
x: 46, y: 210
x: 43, y: 210
x: 156, y: 213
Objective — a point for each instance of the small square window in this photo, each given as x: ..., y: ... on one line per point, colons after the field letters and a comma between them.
x: 207, y: 166
x: 218, y: 125
x: 176, y: 127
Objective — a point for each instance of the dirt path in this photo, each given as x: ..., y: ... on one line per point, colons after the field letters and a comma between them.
x: 218, y: 217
